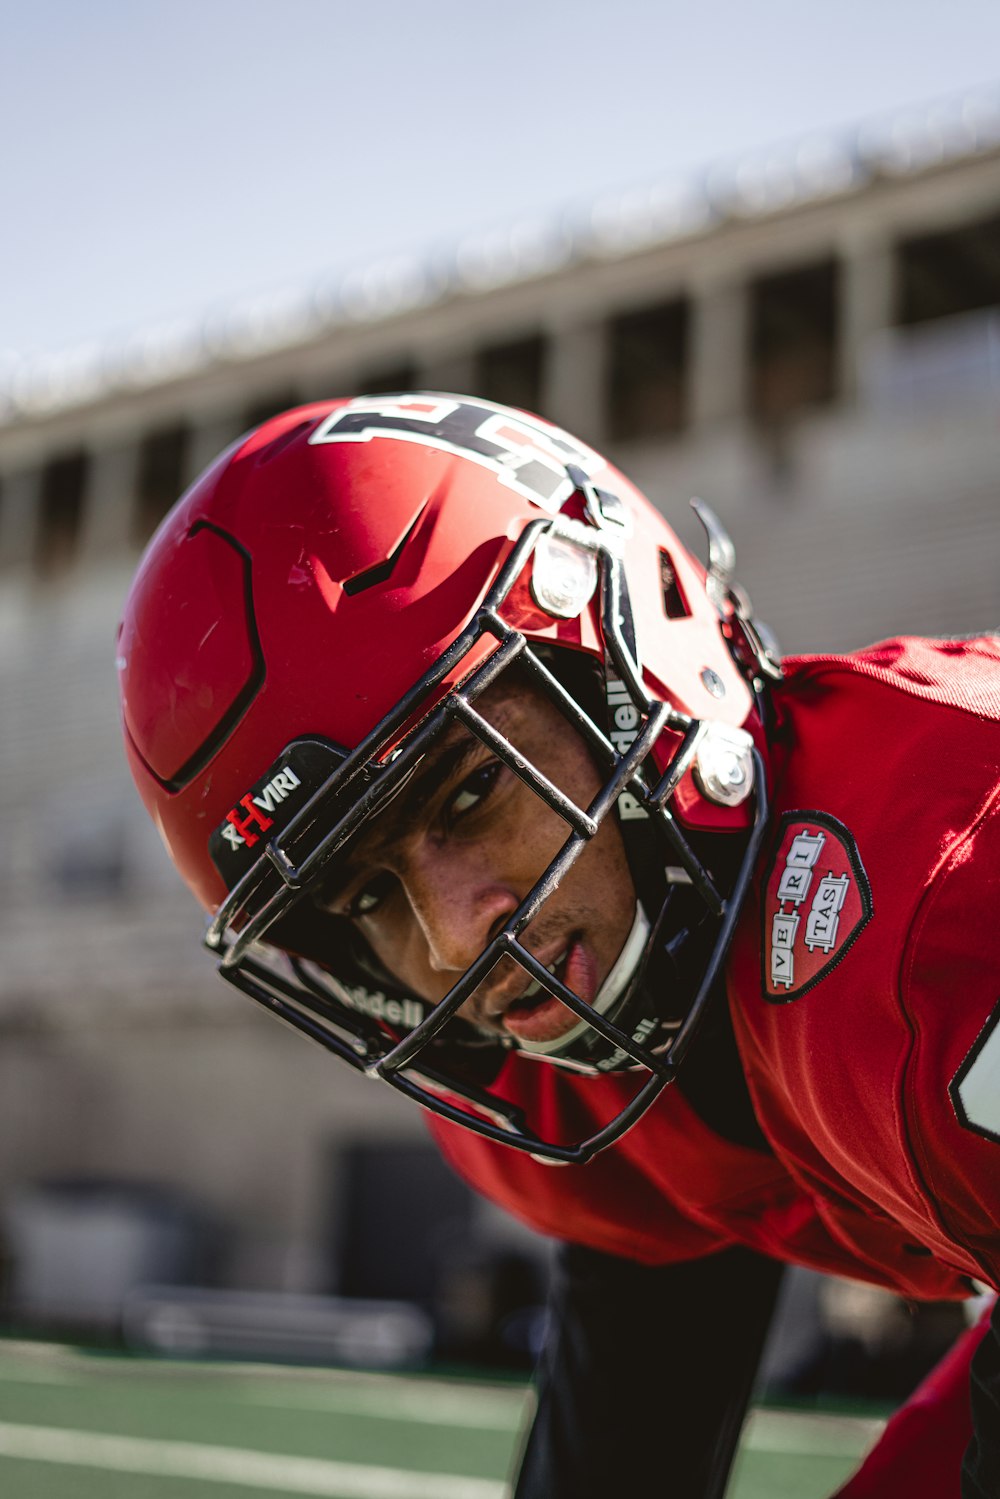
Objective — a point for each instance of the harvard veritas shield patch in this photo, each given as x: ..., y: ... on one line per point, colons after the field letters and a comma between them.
x: 816, y: 900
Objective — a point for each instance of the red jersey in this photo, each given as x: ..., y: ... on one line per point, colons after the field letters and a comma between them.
x: 865, y: 995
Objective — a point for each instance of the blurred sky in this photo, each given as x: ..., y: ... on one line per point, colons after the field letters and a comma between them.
x: 168, y: 158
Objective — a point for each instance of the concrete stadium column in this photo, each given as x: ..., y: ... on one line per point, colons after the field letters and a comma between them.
x: 448, y: 371
x: 20, y: 505
x: 207, y: 441
x: 866, y: 303
x: 719, y: 358
x: 575, y: 380
x: 109, y: 501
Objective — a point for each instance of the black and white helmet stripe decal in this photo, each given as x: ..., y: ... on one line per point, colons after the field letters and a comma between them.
x: 528, y: 456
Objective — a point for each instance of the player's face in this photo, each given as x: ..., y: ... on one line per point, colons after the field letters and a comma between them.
x: 450, y: 859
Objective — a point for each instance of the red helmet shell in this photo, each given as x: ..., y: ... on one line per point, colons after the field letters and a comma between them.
x: 314, y: 572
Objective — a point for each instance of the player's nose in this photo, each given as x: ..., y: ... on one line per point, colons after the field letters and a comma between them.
x: 460, y: 905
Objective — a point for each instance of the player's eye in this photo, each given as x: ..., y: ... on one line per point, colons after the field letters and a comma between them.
x: 366, y: 901
x: 473, y: 791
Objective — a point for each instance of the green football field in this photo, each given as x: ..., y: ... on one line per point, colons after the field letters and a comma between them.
x: 80, y: 1425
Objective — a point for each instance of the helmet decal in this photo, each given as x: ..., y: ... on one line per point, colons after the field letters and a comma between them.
x: 269, y: 804
x: 526, y: 455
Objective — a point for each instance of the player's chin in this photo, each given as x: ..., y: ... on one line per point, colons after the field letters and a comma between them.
x: 547, y: 1020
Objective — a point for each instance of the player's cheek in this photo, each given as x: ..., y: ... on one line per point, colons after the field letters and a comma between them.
x: 539, y: 836
x: 395, y: 938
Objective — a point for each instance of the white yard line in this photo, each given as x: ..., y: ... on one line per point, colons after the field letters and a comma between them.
x: 391, y: 1397
x: 426, y: 1401
x: 399, y: 1400
x: 800, y: 1432
x: 234, y: 1465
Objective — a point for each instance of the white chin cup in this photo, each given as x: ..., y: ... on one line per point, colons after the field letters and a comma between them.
x: 617, y: 981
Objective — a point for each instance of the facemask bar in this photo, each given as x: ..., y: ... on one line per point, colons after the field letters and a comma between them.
x: 296, y: 858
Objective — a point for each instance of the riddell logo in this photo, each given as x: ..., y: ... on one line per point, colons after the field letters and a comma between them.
x: 247, y: 821
x: 405, y: 1012
x: 625, y: 726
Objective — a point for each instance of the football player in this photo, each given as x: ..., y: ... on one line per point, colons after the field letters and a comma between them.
x: 499, y: 795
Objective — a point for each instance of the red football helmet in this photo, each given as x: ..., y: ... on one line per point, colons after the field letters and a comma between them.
x: 337, y: 592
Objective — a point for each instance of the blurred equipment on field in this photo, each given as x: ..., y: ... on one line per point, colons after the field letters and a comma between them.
x: 415, y: 1271
x: 78, y: 1248
x: 191, y: 1322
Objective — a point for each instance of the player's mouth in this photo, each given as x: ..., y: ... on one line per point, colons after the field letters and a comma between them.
x: 536, y: 1015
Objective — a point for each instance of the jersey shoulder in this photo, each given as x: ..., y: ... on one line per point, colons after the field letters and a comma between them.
x: 864, y: 977
x: 956, y: 672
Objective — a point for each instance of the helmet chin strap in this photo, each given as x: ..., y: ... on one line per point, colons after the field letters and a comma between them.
x: 622, y: 972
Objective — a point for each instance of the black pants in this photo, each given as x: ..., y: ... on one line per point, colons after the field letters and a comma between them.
x: 645, y: 1376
